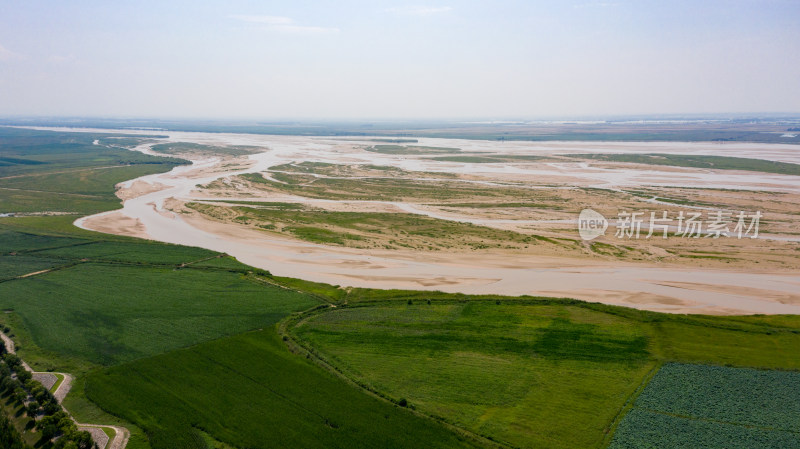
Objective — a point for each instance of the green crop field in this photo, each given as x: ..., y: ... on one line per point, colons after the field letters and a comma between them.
x: 249, y: 391
x: 715, y: 407
x: 547, y: 376
x: 65, y: 172
x: 13, y: 266
x: 132, y: 252
x: 140, y: 311
x: 529, y: 375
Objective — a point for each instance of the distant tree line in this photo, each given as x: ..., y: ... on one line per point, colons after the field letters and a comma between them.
x: 57, y: 428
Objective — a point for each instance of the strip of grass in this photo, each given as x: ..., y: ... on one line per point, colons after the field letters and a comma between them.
x: 59, y: 381
x: 492, y: 158
x: 410, y: 149
x: 57, y: 152
x: 698, y: 161
x: 211, y: 150
x: 375, y: 230
x: 387, y: 189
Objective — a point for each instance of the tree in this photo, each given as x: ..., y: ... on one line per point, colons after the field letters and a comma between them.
x: 11, y: 384
x: 50, y: 407
x: 5, y: 381
x: 23, y: 375
x: 32, y: 409
x: 20, y: 395
x: 12, y: 360
x: 52, y: 425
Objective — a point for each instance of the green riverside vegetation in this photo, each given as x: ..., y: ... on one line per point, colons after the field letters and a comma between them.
x: 530, y: 373
x: 188, y: 348
x: 699, y: 161
x: 65, y: 172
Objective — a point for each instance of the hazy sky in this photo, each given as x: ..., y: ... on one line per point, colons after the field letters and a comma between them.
x: 390, y: 59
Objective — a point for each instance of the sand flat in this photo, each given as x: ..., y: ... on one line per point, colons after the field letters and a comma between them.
x: 646, y: 283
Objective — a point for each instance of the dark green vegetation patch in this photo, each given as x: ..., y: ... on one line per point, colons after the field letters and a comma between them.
x: 714, y: 407
x: 535, y: 373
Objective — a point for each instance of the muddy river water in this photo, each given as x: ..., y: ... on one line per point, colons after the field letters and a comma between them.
x: 642, y: 286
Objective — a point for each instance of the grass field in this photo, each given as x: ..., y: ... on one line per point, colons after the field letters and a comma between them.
x: 715, y: 407
x: 140, y: 311
x: 65, y: 172
x: 249, y: 391
x: 529, y: 375
x: 547, y: 376
x: 120, y: 300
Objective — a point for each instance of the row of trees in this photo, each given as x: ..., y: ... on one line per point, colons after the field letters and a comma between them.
x: 57, y: 428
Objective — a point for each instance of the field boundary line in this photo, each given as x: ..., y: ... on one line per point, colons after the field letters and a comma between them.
x: 629, y: 404
x: 296, y: 347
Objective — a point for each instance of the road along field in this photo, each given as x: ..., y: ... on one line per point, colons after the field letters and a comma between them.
x: 504, y: 226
